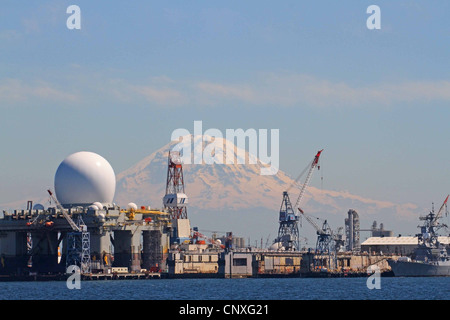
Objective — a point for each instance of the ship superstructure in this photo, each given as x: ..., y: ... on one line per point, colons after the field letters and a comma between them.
x: 431, y: 258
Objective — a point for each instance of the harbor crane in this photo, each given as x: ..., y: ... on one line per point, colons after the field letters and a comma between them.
x: 72, y: 224
x: 288, y: 234
x: 328, y: 242
x: 313, y: 165
x: 78, y: 241
x: 324, y: 235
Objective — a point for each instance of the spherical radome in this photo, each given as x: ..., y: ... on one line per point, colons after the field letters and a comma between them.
x: 278, y: 246
x: 85, y: 178
x: 132, y: 205
x: 38, y: 206
x: 99, y: 205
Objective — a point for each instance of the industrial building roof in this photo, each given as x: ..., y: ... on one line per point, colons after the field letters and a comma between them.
x: 377, y: 241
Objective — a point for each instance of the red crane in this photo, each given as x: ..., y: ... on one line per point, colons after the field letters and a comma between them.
x: 313, y: 165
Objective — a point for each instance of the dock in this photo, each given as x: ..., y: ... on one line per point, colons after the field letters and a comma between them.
x: 121, y: 276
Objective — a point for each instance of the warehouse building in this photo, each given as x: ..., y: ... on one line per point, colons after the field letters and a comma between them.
x: 395, y: 245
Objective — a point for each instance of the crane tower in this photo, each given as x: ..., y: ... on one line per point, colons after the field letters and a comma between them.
x: 175, y: 200
x: 78, y: 241
x: 288, y: 234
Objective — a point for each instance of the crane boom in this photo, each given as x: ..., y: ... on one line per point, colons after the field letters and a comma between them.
x: 33, y: 221
x: 438, y: 215
x: 79, y: 241
x: 72, y: 224
x: 311, y: 221
x: 288, y: 234
x: 308, y: 178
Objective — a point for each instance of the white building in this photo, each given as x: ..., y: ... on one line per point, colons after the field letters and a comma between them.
x: 395, y: 245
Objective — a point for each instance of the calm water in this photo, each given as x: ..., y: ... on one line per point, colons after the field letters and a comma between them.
x: 232, y: 289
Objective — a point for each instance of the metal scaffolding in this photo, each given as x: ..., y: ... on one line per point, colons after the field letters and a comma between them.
x: 79, y: 248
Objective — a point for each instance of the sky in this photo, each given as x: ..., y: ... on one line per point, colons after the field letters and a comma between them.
x: 376, y: 100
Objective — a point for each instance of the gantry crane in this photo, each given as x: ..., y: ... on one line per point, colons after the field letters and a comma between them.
x: 288, y: 234
x: 328, y: 242
x: 324, y: 235
x: 78, y: 241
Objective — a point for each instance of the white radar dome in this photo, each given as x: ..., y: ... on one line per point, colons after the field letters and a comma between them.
x: 98, y: 205
x: 84, y: 178
x: 277, y: 246
x: 132, y: 205
x: 38, y: 206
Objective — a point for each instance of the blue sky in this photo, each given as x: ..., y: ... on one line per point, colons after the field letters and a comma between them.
x: 377, y: 101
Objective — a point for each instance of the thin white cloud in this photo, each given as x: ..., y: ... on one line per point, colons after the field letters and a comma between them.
x: 292, y: 90
x: 14, y: 90
x: 9, y: 34
x: 241, y: 92
x: 31, y: 25
x: 305, y: 90
x: 371, y: 206
x: 162, y: 96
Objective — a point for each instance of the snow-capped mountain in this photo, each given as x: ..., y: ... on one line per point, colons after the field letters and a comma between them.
x: 209, y: 186
x: 231, y: 195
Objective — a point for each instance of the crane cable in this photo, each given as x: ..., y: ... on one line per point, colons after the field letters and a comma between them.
x: 297, y: 183
x: 297, y: 180
x: 321, y: 174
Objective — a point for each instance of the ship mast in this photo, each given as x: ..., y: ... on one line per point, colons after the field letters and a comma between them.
x: 428, y: 236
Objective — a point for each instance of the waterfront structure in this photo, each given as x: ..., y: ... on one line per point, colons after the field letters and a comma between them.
x: 401, y: 245
x: 47, y: 241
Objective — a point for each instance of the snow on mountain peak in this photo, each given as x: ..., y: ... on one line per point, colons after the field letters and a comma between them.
x: 208, y: 185
x: 219, y: 187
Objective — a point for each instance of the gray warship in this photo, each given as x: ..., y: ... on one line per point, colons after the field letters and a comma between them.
x: 430, y: 258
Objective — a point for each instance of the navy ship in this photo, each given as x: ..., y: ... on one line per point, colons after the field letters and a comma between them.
x: 430, y: 258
